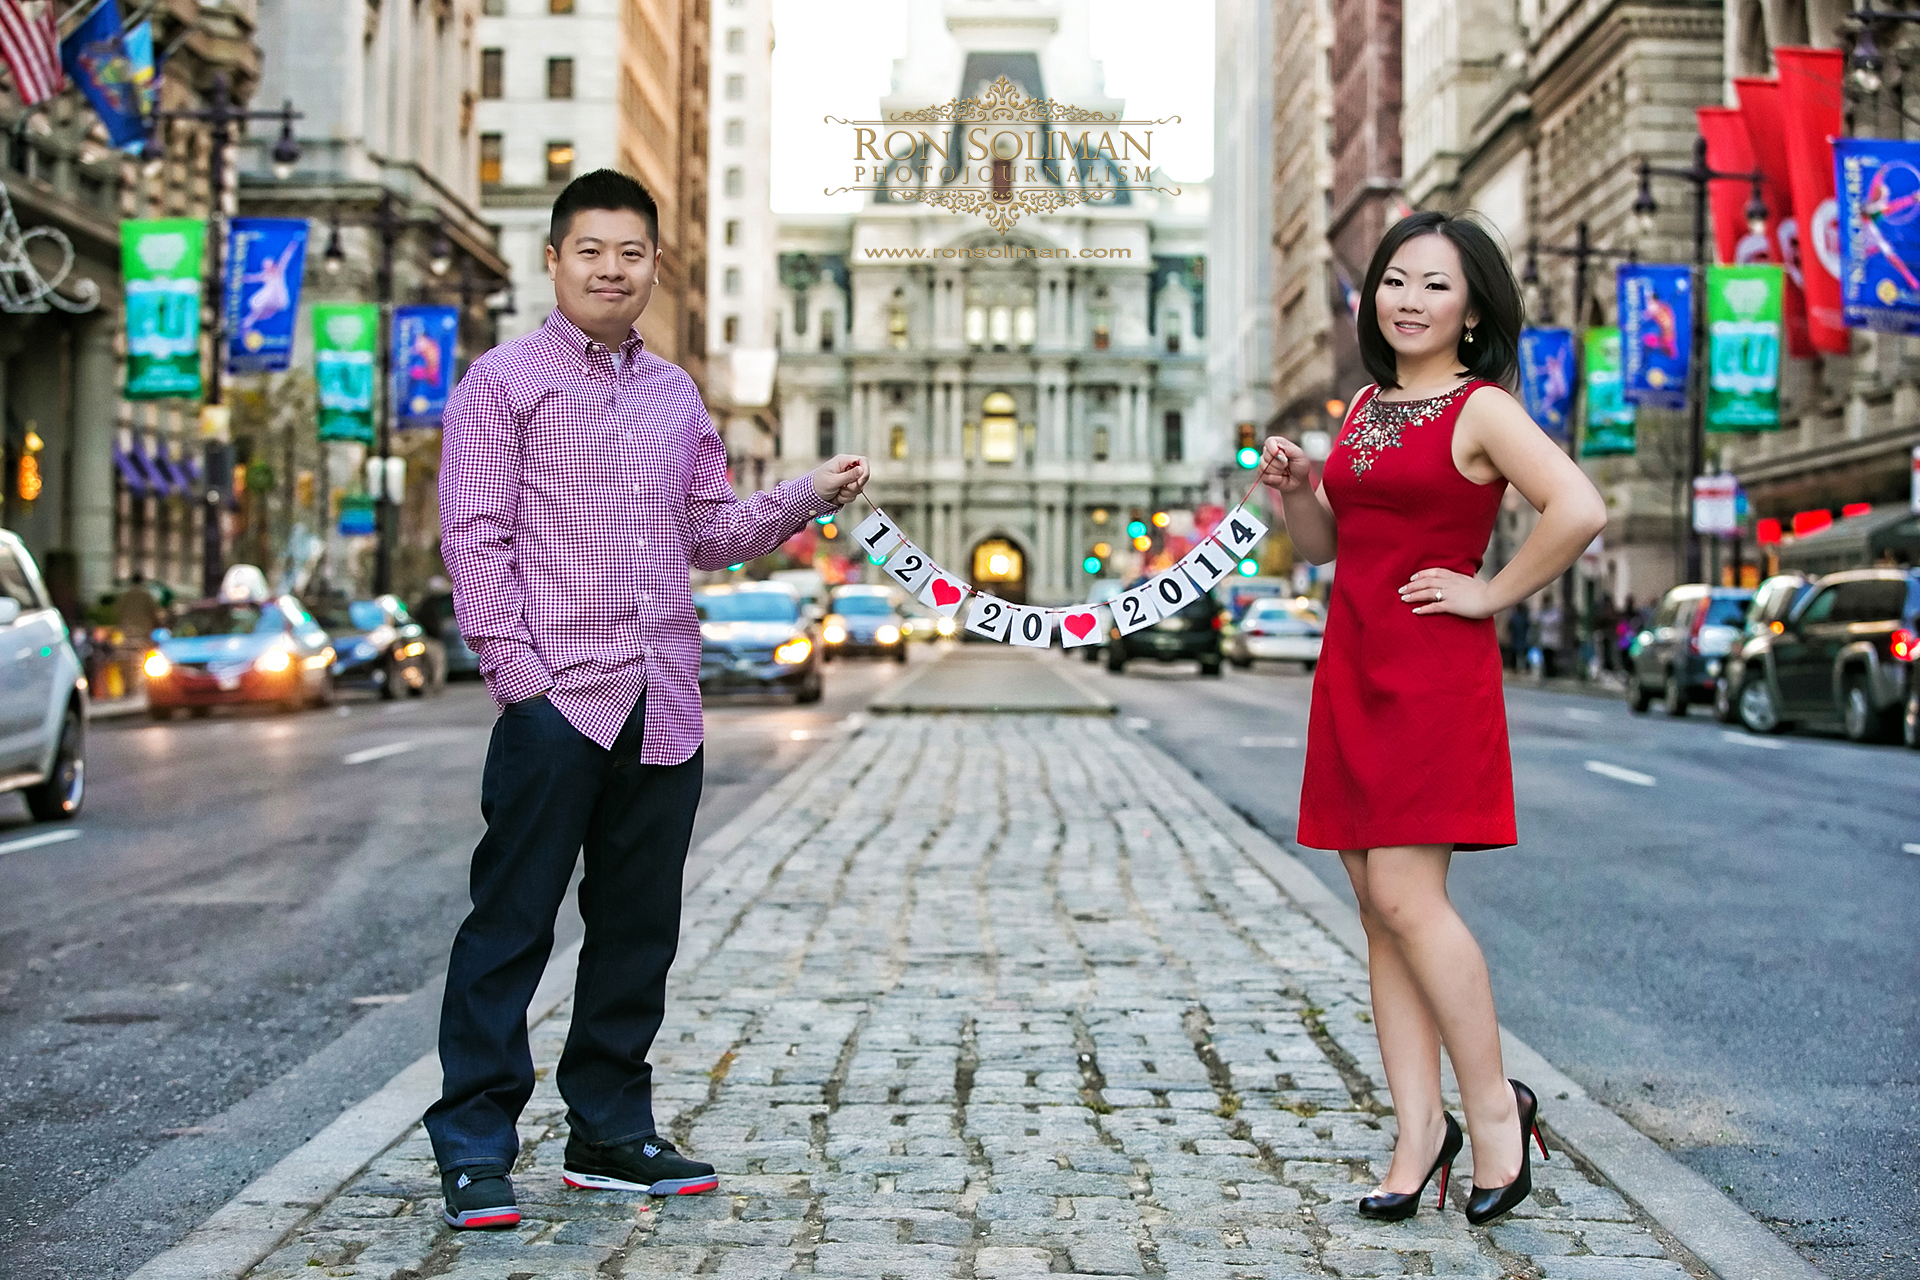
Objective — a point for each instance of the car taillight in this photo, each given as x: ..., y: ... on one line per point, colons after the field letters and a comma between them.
x: 1219, y: 621
x: 1256, y: 631
x: 1906, y: 645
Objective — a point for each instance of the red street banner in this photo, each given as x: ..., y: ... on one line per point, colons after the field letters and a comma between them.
x: 1810, y: 112
x: 1729, y: 151
x: 1766, y: 132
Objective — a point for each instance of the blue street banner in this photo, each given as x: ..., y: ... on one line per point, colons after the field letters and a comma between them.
x: 266, y: 258
x: 139, y: 42
x: 95, y: 58
x: 1878, y: 183
x: 1656, y: 333
x: 423, y: 343
x: 1546, y: 378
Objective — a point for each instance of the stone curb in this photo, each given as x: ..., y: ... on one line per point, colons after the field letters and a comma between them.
x: 1716, y: 1230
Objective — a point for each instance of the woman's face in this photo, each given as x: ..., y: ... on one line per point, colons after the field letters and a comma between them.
x: 1422, y: 299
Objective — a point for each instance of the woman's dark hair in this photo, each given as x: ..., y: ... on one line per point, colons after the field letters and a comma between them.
x: 1492, y: 295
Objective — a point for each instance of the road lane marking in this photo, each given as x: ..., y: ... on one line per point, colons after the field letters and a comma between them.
x: 1256, y: 740
x: 1748, y: 740
x: 35, y: 841
x: 1634, y: 776
x: 376, y: 753
x: 1585, y: 716
x: 389, y: 999
x: 1911, y: 848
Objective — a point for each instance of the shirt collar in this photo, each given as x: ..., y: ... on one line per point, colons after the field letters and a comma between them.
x: 578, y: 345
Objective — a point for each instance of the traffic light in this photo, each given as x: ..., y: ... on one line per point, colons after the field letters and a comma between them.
x: 1247, y: 452
x: 1161, y: 519
x: 1136, y: 529
x: 1248, y: 567
x: 1091, y: 564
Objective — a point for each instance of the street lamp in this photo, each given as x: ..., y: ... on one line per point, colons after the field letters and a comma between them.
x: 1700, y: 174
x: 335, y: 257
x: 1866, y: 58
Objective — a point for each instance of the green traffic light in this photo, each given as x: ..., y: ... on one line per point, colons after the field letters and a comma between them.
x: 1249, y: 457
x: 1137, y: 529
x: 827, y: 518
x: 872, y: 559
x: 1091, y: 564
x: 1248, y: 568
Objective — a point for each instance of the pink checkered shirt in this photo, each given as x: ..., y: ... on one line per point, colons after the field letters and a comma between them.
x: 574, y: 497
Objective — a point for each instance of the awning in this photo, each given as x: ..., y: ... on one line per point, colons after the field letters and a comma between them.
x: 132, y: 471
x: 1855, y: 542
x: 167, y: 472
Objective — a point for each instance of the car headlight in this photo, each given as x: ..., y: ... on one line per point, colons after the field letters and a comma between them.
x: 414, y: 650
x: 156, y: 666
x: 888, y: 634
x: 794, y: 651
x: 273, y: 661
x: 833, y: 633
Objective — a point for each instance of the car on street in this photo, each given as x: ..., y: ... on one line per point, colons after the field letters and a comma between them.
x: 1102, y: 591
x: 1835, y: 661
x: 863, y: 619
x: 1238, y: 594
x: 43, y: 693
x: 1277, y: 629
x: 1773, y: 600
x: 754, y: 638
x: 377, y: 645
x: 1680, y: 654
x: 1192, y: 633
x: 435, y: 614
x: 1906, y: 648
x: 917, y: 622
x: 224, y: 652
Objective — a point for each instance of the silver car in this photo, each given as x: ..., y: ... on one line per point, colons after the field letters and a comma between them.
x: 1277, y: 630
x: 43, y: 693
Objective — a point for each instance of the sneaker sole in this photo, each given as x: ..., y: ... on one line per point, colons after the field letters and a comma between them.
x: 664, y: 1187
x: 474, y: 1219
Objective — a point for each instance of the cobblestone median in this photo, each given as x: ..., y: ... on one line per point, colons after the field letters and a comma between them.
x: 989, y: 1001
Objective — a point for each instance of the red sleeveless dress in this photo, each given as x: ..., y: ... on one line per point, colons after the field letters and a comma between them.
x: 1407, y: 739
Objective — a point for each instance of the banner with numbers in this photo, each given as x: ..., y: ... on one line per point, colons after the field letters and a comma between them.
x: 1032, y: 626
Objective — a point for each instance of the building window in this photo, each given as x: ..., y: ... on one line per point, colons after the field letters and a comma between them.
x: 897, y: 442
x: 732, y: 280
x: 826, y: 330
x: 493, y: 73
x: 559, y: 163
x: 897, y: 328
x: 493, y: 8
x: 1000, y: 327
x: 737, y: 40
x: 559, y: 6
x: 976, y: 326
x: 1025, y: 326
x: 1102, y: 328
x: 1099, y: 444
x: 491, y: 147
x: 730, y: 329
x: 736, y: 88
x: 732, y: 235
x: 1175, y: 437
x: 824, y: 436
x: 998, y: 431
x: 736, y: 133
x: 559, y: 77
x: 1173, y: 332
x: 736, y: 182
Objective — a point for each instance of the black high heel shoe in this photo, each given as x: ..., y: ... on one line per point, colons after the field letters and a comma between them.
x: 1388, y: 1206
x: 1488, y: 1203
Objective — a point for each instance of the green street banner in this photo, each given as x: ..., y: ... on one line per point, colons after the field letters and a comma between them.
x: 160, y: 259
x: 1743, y: 345
x: 1609, y: 421
x: 345, y: 340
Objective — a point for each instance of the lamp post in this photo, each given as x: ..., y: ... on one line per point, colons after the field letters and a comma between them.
x: 1866, y: 58
x: 1700, y: 174
x: 221, y: 115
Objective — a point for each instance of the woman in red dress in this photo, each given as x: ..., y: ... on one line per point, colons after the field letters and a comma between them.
x: 1407, y: 741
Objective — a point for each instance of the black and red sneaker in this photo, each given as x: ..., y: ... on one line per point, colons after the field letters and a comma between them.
x: 479, y: 1196
x: 645, y: 1164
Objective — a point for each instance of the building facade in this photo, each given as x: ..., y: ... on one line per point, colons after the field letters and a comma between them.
x: 1020, y: 394
x: 1240, y: 305
x: 1365, y: 193
x: 1309, y: 318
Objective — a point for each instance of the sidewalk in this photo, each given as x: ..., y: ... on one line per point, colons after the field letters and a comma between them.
x: 992, y: 995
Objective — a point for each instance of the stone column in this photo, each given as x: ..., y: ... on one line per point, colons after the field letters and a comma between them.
x: 95, y: 421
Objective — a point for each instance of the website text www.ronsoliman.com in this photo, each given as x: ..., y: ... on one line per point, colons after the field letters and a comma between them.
x: 999, y: 251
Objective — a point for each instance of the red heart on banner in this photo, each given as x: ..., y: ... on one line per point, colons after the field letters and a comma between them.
x: 1079, y: 623
x: 945, y: 593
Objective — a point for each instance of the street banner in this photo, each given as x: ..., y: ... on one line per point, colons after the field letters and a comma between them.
x: 423, y: 344
x: 139, y: 42
x: 1743, y: 346
x: 358, y: 515
x: 1879, y: 188
x: 1760, y: 109
x: 1546, y: 378
x: 95, y: 58
x: 1730, y: 151
x: 1810, y: 114
x: 345, y: 342
x: 1716, y: 507
x: 266, y: 259
x: 1610, y: 415
x: 1656, y: 332
x: 160, y: 259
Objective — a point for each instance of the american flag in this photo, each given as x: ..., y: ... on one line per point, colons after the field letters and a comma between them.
x: 31, y: 47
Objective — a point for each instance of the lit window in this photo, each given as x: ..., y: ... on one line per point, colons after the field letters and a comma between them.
x: 1025, y: 326
x: 897, y: 328
x: 897, y: 443
x: 559, y: 161
x: 1000, y: 325
x: 493, y: 73
x: 491, y: 147
x: 1099, y: 444
x: 976, y: 325
x: 559, y: 6
x: 730, y: 329
x: 998, y: 431
x: 1102, y: 328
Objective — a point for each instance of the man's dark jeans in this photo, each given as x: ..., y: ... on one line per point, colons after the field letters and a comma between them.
x: 548, y: 790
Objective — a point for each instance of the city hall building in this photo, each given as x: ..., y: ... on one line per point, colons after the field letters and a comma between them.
x: 1020, y: 394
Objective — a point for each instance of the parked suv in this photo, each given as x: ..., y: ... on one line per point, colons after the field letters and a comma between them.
x: 1679, y: 655
x: 43, y: 694
x: 1835, y: 659
x: 1193, y: 632
x: 1773, y: 601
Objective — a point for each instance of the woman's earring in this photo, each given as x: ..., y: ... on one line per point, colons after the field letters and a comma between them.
x: 1469, y: 337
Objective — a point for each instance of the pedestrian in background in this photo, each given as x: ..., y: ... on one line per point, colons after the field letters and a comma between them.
x: 1552, y: 636
x: 1407, y: 755
x: 135, y: 612
x: 1520, y: 634
x: 580, y: 482
x: 1606, y: 623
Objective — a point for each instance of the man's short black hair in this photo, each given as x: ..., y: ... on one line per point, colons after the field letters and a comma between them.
x: 602, y: 189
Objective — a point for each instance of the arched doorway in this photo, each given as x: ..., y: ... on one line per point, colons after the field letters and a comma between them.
x: 1000, y: 566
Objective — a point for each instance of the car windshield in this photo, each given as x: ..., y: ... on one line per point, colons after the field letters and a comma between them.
x: 1275, y: 616
x: 863, y: 606
x: 746, y: 606
x: 228, y: 620
x: 360, y: 615
x: 1724, y: 611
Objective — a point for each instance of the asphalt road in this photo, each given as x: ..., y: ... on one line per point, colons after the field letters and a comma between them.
x: 245, y: 934
x: 1713, y: 933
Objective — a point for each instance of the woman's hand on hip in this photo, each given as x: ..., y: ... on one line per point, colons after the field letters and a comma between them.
x: 1284, y: 467
x: 1444, y: 591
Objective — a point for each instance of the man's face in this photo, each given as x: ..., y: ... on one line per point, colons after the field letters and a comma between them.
x: 603, y: 271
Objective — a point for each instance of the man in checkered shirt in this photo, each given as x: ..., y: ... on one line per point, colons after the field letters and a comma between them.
x: 580, y: 481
